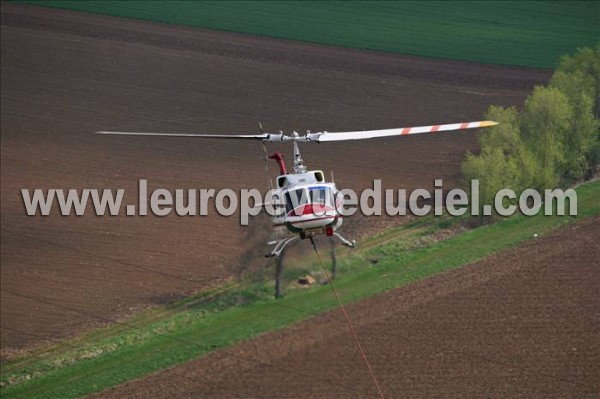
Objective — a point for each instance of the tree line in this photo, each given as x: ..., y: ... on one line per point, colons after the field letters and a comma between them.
x: 554, y: 141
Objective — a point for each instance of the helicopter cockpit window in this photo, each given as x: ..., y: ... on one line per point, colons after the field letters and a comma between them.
x: 321, y: 195
x: 295, y: 198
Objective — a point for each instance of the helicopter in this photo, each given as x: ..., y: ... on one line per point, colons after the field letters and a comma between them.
x: 307, y: 205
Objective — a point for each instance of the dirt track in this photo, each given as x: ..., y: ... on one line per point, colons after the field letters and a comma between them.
x: 65, y: 75
x: 523, y: 323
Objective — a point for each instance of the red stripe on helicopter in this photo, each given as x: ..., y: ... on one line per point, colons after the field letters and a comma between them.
x: 406, y: 130
x: 464, y: 125
x: 435, y: 128
x: 310, y: 209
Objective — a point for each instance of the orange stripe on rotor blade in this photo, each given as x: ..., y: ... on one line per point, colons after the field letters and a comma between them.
x: 406, y: 130
x: 464, y: 125
x: 435, y: 128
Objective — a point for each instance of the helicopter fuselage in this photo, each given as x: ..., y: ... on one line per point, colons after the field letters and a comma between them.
x: 307, y: 204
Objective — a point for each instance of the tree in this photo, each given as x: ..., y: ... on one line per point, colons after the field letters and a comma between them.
x: 545, y: 124
x: 526, y: 171
x: 495, y: 167
x: 583, y: 130
x: 578, y: 76
x: 587, y: 62
x: 505, y: 135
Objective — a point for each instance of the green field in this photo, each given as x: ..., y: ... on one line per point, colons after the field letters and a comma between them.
x: 237, y: 311
x: 525, y: 33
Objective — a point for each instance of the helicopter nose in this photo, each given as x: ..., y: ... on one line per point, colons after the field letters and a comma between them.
x: 314, y: 209
x: 308, y: 209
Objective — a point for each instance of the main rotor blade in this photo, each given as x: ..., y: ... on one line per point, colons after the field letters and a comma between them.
x: 322, y: 137
x: 264, y: 136
x: 403, y: 131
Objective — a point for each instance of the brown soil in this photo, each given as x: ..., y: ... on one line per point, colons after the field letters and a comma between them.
x: 66, y: 75
x: 522, y: 323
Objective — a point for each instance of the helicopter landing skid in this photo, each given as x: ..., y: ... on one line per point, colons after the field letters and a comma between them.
x: 280, y: 246
x: 351, y: 244
x: 283, y: 243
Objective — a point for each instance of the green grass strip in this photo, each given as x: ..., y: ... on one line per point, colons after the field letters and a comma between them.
x: 525, y: 33
x: 191, y: 328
